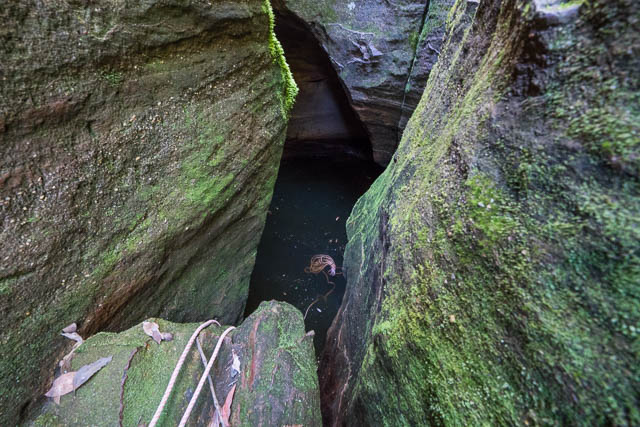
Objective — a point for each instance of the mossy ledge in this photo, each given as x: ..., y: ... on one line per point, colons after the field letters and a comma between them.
x: 493, y: 269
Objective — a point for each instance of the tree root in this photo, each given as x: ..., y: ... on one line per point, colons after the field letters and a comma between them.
x: 324, y: 297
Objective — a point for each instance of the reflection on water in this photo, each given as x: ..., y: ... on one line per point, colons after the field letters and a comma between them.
x: 311, y: 202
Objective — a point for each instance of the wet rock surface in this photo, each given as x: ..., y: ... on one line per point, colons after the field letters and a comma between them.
x: 382, y: 52
x: 492, y: 268
x: 274, y: 375
x: 140, y: 143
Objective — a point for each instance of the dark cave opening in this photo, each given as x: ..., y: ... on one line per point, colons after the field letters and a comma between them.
x: 327, y: 165
x: 322, y: 122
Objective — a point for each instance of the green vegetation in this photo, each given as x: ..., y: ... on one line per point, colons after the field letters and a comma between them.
x: 114, y: 78
x: 268, y: 342
x: 290, y: 90
x: 152, y: 185
x: 413, y: 40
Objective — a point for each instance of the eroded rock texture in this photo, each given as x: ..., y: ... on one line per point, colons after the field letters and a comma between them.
x: 493, y: 268
x: 276, y: 382
x: 382, y: 51
x: 140, y: 143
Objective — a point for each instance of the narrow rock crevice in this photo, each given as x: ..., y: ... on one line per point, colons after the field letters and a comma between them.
x: 327, y: 165
x: 406, y: 88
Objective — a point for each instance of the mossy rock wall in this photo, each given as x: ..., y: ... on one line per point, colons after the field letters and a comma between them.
x: 494, y: 267
x: 276, y: 384
x: 140, y: 142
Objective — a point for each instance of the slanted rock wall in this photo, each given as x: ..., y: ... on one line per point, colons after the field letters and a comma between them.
x: 493, y: 267
x: 140, y: 143
x: 382, y: 51
x: 276, y: 382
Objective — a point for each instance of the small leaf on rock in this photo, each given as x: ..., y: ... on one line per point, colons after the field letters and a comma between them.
x: 151, y: 329
x: 226, y: 408
x: 73, y: 336
x: 87, y: 371
x: 235, y: 365
x: 71, y: 328
x: 65, y: 363
x: 61, y: 386
x: 166, y: 336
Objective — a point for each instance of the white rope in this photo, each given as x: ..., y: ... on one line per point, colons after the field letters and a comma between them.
x: 194, y: 398
x: 176, y: 371
x: 204, y: 363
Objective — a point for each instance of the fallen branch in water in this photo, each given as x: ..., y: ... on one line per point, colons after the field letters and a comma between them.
x: 318, y: 264
x: 318, y: 299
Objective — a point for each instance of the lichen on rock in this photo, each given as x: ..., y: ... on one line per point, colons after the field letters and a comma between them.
x: 493, y: 267
x: 140, y: 146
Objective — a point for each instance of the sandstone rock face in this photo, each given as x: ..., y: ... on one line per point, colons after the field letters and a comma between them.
x: 322, y: 112
x: 275, y: 381
x: 321, y: 121
x: 140, y: 142
x: 493, y: 268
x: 382, y: 52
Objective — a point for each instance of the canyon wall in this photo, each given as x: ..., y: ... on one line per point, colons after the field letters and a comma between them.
x: 493, y: 269
x: 140, y: 143
x: 382, y: 52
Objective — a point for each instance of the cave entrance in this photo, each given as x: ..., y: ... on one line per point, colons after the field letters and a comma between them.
x: 327, y: 165
x: 322, y: 121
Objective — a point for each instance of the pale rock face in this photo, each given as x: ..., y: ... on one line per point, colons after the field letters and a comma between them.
x: 382, y: 52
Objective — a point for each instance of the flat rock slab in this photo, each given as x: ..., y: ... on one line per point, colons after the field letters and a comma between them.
x: 275, y: 380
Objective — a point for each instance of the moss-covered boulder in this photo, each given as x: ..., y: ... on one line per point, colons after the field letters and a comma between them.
x: 382, y: 51
x: 276, y: 383
x: 494, y: 268
x: 140, y: 141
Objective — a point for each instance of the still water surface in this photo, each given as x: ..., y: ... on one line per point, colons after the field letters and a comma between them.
x: 311, y: 203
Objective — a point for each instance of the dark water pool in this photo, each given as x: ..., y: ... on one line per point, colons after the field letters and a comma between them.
x: 311, y: 202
